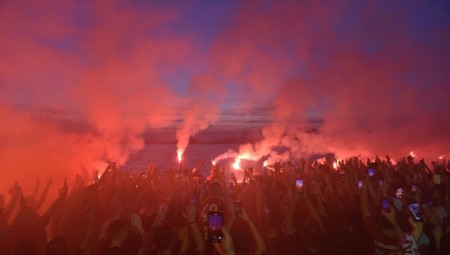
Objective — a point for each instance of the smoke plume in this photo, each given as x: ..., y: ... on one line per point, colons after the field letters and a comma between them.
x: 353, y: 78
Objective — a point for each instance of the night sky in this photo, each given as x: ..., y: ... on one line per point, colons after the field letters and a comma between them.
x: 346, y: 77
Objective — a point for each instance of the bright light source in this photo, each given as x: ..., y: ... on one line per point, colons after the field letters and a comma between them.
x: 180, y: 155
x: 237, y: 164
x: 335, y: 165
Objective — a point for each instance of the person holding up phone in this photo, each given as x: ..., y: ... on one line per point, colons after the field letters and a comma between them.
x: 416, y: 223
x: 215, y: 224
x: 237, y: 208
x: 226, y: 246
x: 381, y: 230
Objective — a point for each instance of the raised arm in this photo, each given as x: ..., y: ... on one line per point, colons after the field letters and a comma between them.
x: 312, y: 210
x: 137, y: 223
x: 56, y: 205
x: 261, y: 246
x: 190, y: 215
x: 364, y: 200
x: 289, y: 215
x: 87, y: 235
x: 43, y: 196
x: 226, y: 246
x: 391, y: 217
x: 12, y: 203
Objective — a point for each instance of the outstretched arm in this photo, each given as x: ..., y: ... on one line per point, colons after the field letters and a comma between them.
x: 12, y: 203
x: 261, y: 246
x: 190, y: 216
x: 312, y: 210
x: 44, y: 194
x: 226, y: 247
x: 364, y: 201
x: 87, y: 236
x: 137, y: 223
x: 289, y: 214
x: 57, y: 204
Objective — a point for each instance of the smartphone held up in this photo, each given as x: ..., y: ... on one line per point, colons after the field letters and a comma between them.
x: 215, y: 224
x: 299, y: 185
x: 371, y: 172
x: 416, y: 212
x: 385, y: 205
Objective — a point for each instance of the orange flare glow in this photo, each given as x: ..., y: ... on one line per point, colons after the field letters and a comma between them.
x: 180, y: 155
x: 100, y: 167
x: 237, y: 164
x: 213, y: 162
x: 265, y: 163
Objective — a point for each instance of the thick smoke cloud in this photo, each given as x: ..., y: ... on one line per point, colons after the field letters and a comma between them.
x: 202, y: 109
x: 372, y: 76
x: 104, y: 60
x: 350, y: 78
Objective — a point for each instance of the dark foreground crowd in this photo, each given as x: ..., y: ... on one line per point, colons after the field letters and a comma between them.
x: 303, y: 208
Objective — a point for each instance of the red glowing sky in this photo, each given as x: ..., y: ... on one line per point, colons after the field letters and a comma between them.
x: 372, y: 75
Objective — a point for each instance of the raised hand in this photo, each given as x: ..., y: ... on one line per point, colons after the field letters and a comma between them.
x: 226, y: 246
x: 244, y: 215
x: 437, y: 231
x: 161, y: 217
x: 190, y: 213
x: 227, y: 240
x: 136, y: 220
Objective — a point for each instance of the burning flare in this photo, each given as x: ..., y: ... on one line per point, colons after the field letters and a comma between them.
x: 180, y: 155
x: 213, y: 162
x: 335, y: 165
x: 237, y: 164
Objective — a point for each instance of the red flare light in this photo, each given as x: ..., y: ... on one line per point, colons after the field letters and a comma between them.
x: 237, y: 164
x: 180, y: 155
x: 335, y: 165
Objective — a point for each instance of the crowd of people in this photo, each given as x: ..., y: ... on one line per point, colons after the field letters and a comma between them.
x: 354, y: 207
